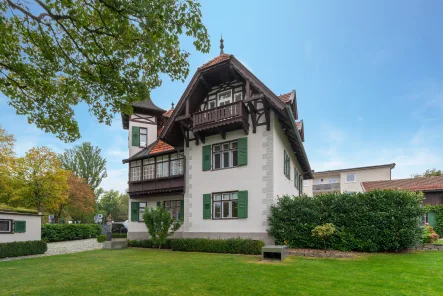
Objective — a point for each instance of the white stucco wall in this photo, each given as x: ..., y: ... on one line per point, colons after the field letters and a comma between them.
x: 152, y: 133
x: 33, y: 228
x: 151, y: 202
x: 376, y: 174
x: 283, y: 185
x: 361, y: 175
x: 249, y: 177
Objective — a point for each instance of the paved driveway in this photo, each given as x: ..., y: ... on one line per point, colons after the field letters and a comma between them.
x: 65, y: 248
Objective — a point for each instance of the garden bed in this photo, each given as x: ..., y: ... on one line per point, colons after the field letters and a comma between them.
x: 321, y: 253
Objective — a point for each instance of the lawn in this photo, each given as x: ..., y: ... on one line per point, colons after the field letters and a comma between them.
x: 153, y: 272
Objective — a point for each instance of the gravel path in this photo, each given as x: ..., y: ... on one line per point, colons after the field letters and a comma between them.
x: 65, y: 248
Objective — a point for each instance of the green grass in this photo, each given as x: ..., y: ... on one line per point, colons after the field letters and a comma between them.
x: 153, y: 272
x: 439, y: 242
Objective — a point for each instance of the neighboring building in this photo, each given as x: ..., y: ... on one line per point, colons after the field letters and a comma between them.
x: 346, y: 180
x: 19, y: 225
x: 218, y: 160
x: 432, y: 187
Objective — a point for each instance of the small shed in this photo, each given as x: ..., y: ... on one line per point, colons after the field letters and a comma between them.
x: 18, y: 224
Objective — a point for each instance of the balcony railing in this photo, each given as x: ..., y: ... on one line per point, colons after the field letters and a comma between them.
x: 221, y: 115
x: 326, y: 187
x: 146, y: 187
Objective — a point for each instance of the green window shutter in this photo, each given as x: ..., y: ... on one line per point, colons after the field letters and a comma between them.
x: 300, y: 190
x: 242, y: 145
x: 243, y: 204
x: 284, y: 162
x: 432, y: 219
x: 207, y: 206
x: 134, y: 211
x: 206, y: 158
x: 19, y: 226
x: 135, y: 136
x: 182, y: 210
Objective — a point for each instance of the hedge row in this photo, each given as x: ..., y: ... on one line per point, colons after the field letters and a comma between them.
x: 66, y: 232
x: 383, y: 220
x: 26, y: 248
x: 231, y: 246
x: 102, y: 237
x: 438, y: 209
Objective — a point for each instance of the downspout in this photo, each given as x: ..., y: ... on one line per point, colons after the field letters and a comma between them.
x: 297, y: 134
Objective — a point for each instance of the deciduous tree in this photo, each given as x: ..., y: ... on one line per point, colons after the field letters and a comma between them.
x: 45, y: 183
x: 85, y: 161
x: 107, y: 54
x: 429, y: 173
x: 7, y: 165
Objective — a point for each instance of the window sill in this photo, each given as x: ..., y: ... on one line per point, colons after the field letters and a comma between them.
x: 221, y: 169
x: 218, y: 219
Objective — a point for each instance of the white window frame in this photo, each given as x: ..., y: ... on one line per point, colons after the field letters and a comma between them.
x: 305, y: 183
x: 145, y: 133
x: 334, y: 180
x: 141, y: 210
x: 346, y: 178
x: 224, y: 99
x: 238, y: 93
x: 135, y: 170
x: 10, y: 222
x: 232, y: 198
x: 232, y: 152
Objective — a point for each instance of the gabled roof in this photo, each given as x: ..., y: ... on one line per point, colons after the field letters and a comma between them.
x: 168, y: 113
x: 287, y: 113
x: 285, y: 98
x: 161, y: 147
x: 413, y: 184
x: 157, y: 147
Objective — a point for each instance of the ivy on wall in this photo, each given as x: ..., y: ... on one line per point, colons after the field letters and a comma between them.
x: 438, y: 210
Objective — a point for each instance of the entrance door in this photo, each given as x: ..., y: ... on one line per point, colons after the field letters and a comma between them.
x: 432, y: 219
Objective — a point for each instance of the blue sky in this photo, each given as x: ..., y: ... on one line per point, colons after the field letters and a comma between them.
x: 368, y: 76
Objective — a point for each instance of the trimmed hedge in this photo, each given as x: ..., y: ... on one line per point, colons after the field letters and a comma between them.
x: 25, y: 248
x: 66, y: 232
x: 119, y: 235
x: 376, y: 221
x: 147, y: 243
x: 231, y: 246
x: 101, y: 238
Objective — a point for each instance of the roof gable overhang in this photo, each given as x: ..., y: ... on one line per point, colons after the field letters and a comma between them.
x: 227, y: 69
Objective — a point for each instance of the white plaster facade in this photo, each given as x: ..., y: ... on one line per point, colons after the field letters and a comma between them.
x: 151, y: 131
x: 33, y: 227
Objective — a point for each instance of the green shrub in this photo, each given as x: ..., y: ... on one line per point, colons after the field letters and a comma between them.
x: 119, y: 235
x: 429, y: 235
x: 376, y: 221
x: 324, y: 232
x: 160, y: 224
x: 101, y: 238
x: 66, y: 232
x: 148, y: 243
x: 26, y: 248
x: 231, y: 246
x: 438, y: 209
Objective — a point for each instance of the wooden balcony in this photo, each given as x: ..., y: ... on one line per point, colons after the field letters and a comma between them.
x: 221, y: 119
x: 157, y: 186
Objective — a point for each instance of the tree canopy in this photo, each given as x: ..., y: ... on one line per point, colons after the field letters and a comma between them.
x: 429, y: 173
x: 56, y: 54
x: 85, y: 161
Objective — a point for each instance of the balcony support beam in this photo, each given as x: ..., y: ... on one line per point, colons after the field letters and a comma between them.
x: 199, y: 137
x: 253, y: 112
x: 222, y: 133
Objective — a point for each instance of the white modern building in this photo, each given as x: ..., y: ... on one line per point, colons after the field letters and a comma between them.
x: 219, y: 160
x: 346, y: 180
x: 19, y: 225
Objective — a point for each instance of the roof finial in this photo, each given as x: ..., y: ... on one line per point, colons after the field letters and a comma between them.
x: 221, y: 45
x: 172, y: 105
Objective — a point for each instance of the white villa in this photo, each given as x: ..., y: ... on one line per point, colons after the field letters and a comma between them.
x: 220, y: 158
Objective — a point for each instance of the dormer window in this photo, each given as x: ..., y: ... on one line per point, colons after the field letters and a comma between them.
x: 225, y: 97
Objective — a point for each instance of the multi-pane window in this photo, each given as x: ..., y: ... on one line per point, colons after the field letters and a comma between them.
x: 225, y: 205
x: 157, y: 167
x: 225, y: 155
x: 149, y: 168
x: 225, y: 97
x: 135, y: 170
x: 350, y: 178
x: 287, y: 165
x: 176, y: 164
x: 5, y: 226
x: 238, y: 96
x: 173, y: 207
x: 143, y: 137
x: 162, y: 166
x: 141, y: 211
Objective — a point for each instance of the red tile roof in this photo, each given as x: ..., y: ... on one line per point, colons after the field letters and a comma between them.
x: 168, y: 113
x: 161, y: 147
x: 159, y: 131
x: 216, y: 60
x: 298, y: 124
x: 285, y: 97
x: 414, y: 184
